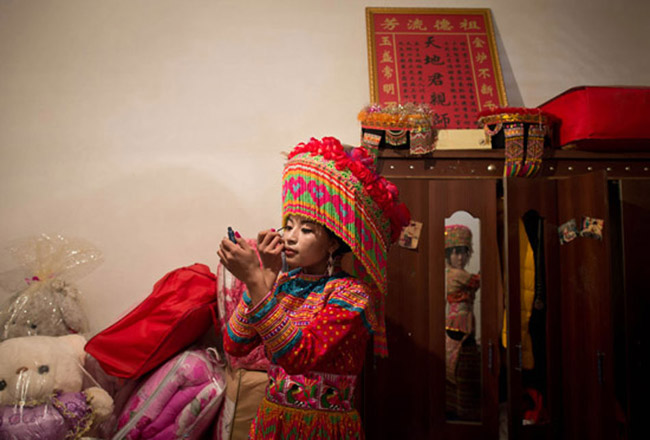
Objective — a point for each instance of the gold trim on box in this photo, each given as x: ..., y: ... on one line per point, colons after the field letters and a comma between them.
x: 532, y: 118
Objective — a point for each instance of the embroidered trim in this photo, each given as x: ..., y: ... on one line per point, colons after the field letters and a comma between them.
x: 514, y: 146
x: 396, y: 138
x: 534, y: 151
x: 80, y: 425
x: 276, y: 421
x: 319, y: 391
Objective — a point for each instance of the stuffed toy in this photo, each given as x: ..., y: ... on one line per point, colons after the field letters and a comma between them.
x: 43, y: 299
x: 41, y: 389
x: 44, y: 308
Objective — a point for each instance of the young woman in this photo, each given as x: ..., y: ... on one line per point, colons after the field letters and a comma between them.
x: 316, y: 320
x: 462, y: 355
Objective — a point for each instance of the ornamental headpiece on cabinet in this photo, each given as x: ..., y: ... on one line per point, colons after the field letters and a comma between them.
x: 398, y: 126
x: 523, y: 132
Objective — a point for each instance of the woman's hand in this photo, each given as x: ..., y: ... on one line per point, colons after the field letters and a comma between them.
x: 241, y: 260
x: 270, y: 247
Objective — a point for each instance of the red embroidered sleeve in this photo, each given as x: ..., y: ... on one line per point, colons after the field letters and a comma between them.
x: 341, y: 328
x: 240, y: 337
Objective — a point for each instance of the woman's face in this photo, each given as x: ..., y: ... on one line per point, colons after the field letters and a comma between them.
x: 459, y: 257
x: 307, y: 244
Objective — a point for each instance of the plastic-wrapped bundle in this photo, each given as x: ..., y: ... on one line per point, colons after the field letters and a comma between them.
x: 64, y: 415
x: 42, y: 299
x: 179, y: 400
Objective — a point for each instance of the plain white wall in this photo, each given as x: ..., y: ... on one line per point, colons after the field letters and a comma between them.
x: 149, y: 126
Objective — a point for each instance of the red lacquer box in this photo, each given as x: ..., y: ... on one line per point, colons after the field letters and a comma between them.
x: 602, y: 118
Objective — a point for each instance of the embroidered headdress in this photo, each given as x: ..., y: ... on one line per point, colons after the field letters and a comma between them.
x: 523, y: 132
x: 342, y: 191
x: 458, y: 235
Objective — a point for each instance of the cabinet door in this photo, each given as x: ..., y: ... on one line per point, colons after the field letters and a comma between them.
x: 405, y: 394
x: 397, y: 389
x: 632, y: 342
x: 586, y: 298
x: 464, y: 393
x: 532, y: 317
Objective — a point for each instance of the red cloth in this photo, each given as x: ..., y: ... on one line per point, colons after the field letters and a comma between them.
x: 178, y: 312
x: 603, y: 118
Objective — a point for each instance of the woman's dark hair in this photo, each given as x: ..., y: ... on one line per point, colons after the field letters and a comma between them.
x: 343, y: 247
x: 457, y: 249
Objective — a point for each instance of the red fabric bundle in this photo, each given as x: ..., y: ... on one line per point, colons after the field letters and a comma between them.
x: 603, y: 118
x: 179, y: 311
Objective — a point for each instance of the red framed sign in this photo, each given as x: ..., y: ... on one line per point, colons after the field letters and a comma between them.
x: 446, y: 58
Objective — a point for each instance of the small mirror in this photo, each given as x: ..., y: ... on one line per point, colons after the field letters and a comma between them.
x: 463, y: 317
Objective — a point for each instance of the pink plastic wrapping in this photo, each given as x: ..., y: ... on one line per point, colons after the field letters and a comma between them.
x: 179, y: 400
x: 41, y: 297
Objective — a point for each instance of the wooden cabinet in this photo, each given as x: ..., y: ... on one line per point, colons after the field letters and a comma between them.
x: 405, y: 393
x: 589, y: 302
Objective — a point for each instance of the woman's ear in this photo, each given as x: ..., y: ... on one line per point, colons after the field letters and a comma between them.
x: 334, y: 245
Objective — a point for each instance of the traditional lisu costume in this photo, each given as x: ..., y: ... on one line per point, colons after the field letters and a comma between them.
x: 462, y: 354
x: 315, y: 327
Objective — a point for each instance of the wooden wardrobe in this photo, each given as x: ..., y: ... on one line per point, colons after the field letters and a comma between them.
x: 590, y: 343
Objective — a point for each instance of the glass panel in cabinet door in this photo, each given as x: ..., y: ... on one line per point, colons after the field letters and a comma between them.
x: 464, y: 394
x: 462, y: 317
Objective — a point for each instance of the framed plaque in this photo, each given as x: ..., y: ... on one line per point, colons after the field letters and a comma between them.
x: 446, y: 58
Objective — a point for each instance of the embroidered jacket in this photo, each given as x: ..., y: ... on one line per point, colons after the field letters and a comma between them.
x: 314, y: 330
x: 461, y: 292
x: 307, y: 323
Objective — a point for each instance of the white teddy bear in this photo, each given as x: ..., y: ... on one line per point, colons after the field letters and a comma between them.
x: 41, y: 389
